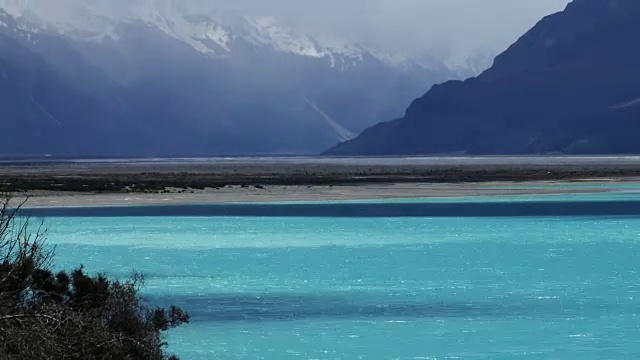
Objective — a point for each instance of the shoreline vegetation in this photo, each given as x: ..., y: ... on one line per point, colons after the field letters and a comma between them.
x: 105, y: 184
x: 159, y: 177
x: 47, y: 313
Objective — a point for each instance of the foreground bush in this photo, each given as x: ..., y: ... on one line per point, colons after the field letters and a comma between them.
x: 70, y: 315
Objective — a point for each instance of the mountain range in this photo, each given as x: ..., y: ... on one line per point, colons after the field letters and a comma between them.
x: 156, y: 78
x: 570, y: 85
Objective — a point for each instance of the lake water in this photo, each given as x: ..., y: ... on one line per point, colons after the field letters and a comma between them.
x: 384, y: 286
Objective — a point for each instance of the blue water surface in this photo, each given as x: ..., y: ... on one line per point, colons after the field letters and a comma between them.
x: 323, y: 287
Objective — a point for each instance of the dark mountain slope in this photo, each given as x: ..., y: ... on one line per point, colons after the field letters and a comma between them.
x: 570, y: 85
x: 45, y: 110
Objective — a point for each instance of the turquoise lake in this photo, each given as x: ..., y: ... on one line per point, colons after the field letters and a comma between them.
x: 384, y: 287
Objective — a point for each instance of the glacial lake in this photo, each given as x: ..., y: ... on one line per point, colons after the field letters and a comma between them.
x: 469, y: 278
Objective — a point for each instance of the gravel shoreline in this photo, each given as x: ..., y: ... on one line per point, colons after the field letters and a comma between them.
x: 164, y: 183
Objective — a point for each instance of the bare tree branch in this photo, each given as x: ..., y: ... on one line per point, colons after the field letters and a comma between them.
x: 69, y: 315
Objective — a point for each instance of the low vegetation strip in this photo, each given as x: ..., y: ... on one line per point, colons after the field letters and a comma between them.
x: 163, y: 178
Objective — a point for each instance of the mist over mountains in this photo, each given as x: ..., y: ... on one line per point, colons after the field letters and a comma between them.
x: 195, y: 77
x: 155, y: 78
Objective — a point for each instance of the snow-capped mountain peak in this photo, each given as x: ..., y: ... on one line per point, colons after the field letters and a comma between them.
x: 212, y: 32
x: 267, y: 30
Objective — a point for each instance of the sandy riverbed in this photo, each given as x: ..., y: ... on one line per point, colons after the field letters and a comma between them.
x: 164, y: 182
x: 237, y: 194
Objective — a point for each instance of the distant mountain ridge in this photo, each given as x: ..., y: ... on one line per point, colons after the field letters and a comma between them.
x: 212, y: 33
x: 569, y: 85
x: 155, y: 78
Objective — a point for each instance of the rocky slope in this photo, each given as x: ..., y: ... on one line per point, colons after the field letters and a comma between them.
x: 570, y: 85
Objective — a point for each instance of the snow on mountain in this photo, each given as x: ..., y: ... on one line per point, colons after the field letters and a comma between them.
x: 211, y: 33
x: 474, y: 64
x: 15, y: 8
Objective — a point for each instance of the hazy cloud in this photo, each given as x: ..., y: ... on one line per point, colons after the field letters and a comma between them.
x: 446, y: 27
x: 456, y: 26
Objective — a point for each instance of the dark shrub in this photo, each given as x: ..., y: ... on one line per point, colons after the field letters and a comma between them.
x: 70, y: 315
